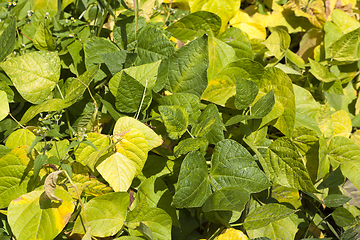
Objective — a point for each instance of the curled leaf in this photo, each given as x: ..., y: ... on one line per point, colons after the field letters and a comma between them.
x: 50, y: 185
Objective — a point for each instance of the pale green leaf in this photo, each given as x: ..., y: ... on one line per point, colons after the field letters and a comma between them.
x: 14, y: 177
x: 281, y: 229
x: 124, y: 124
x: 134, y: 146
x: 43, y: 38
x: 266, y: 214
x: 276, y: 80
x: 225, y: 10
x: 195, y: 25
x: 239, y: 41
x: 190, y: 144
x: 106, y: 214
x: 34, y: 74
x: 232, y: 166
x: 4, y: 105
x: 286, y: 166
x: 19, y: 138
x: 185, y: 70
x: 156, y: 219
x: 344, y: 21
x: 278, y: 42
x: 351, y: 170
x: 118, y: 171
x: 321, y: 72
x: 220, y: 55
x: 223, y: 86
x: 343, y: 49
x: 176, y: 120
x: 193, y: 186
x: 33, y: 216
x: 341, y: 150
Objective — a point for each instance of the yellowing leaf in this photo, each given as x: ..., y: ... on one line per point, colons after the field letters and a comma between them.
x: 341, y: 122
x: 126, y: 123
x: 323, y: 119
x: 134, y: 146
x: 118, y: 171
x: 19, y: 138
x: 347, y: 2
x: 224, y: 9
x: 232, y: 234
x: 344, y: 21
x: 32, y: 216
x: 356, y: 137
x: 243, y: 21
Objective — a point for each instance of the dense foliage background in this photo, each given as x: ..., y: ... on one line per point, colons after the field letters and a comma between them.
x: 185, y: 119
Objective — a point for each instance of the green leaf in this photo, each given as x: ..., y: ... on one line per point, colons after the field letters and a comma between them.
x: 335, y: 200
x: 344, y: 21
x: 190, y: 144
x: 286, y: 166
x: 14, y: 175
x: 77, y: 87
x: 4, y: 105
x: 342, y: 217
x: 106, y: 214
x: 43, y: 38
x: 233, y: 166
x: 19, y: 138
x: 278, y: 42
x: 131, y: 95
x: 276, y: 80
x: 153, y: 44
x: 227, y: 199
x: 343, y: 48
x: 188, y: 101
x: 264, y: 105
x: 33, y: 216
x: 124, y: 124
x: 8, y: 39
x: 157, y: 194
x: 114, y: 60
x: 193, y: 186
x: 34, y: 74
x: 93, y: 49
x: 321, y: 72
x: 246, y: 92
x: 281, y: 229
x: 223, y: 86
x: 185, y: 70
x: 341, y: 150
x: 239, y: 41
x: 209, y: 125
x: 176, y: 120
x: 38, y: 163
x: 156, y: 219
x: 50, y: 105
x: 220, y: 55
x: 195, y: 25
x: 334, y: 179
x: 351, y: 170
x: 266, y: 214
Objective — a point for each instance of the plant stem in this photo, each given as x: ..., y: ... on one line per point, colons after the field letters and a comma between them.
x: 142, y: 100
x: 187, y: 130
x: 78, y: 195
x: 16, y: 120
x: 104, y: 17
x: 136, y: 15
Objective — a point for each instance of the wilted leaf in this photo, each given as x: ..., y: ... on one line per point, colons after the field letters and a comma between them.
x: 50, y: 185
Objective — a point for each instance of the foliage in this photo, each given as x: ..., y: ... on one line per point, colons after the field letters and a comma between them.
x: 179, y: 119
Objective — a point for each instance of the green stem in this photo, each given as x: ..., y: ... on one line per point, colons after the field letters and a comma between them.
x: 104, y: 17
x: 16, y: 120
x: 78, y: 195
x: 187, y: 130
x: 136, y: 5
x: 142, y: 100
x: 68, y: 123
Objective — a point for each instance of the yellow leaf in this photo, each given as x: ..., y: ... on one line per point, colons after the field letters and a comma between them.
x: 323, y: 119
x: 232, y: 234
x: 240, y: 17
x: 341, y: 122
x: 253, y: 30
x: 118, y: 171
x: 224, y: 9
x: 356, y: 137
x: 134, y: 146
x: 347, y: 2
x: 126, y: 123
